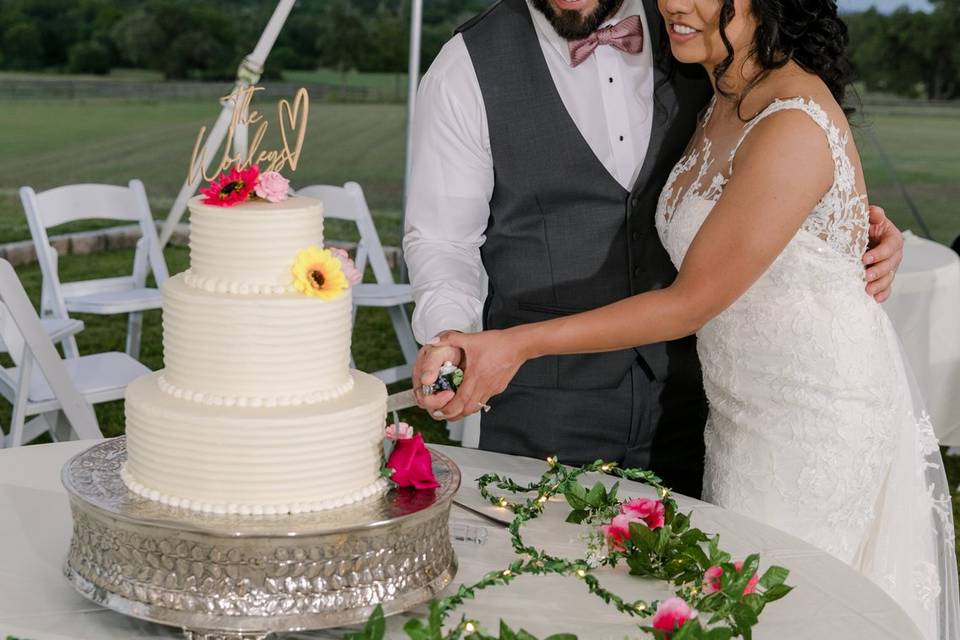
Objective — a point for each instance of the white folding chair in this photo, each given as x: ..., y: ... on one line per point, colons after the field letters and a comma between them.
x: 103, y: 296
x: 347, y: 203
x: 59, y: 393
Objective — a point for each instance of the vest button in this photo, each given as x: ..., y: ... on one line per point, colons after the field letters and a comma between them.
x: 635, y: 235
x: 634, y: 202
x: 637, y: 271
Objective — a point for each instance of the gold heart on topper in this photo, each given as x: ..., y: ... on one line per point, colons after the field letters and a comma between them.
x: 295, y: 117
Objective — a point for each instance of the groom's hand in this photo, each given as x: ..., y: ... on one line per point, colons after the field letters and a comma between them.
x: 426, y: 370
x: 884, y: 256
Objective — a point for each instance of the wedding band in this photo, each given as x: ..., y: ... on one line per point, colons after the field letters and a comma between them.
x: 483, y: 406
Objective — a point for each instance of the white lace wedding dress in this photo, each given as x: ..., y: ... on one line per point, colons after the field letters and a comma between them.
x: 814, y: 427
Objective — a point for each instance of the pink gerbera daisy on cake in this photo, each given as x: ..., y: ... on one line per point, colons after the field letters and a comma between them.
x: 231, y: 188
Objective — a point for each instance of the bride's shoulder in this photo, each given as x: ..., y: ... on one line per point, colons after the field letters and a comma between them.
x: 789, y: 137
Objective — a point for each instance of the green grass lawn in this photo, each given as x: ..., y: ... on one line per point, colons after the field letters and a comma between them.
x: 924, y: 147
x: 53, y: 142
x: 49, y: 143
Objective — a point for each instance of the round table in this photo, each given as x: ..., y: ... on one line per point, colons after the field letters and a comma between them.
x: 830, y: 600
x: 925, y: 309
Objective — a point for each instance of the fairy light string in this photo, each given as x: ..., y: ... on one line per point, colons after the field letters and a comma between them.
x: 674, y: 552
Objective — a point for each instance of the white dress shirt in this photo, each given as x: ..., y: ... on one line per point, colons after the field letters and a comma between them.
x: 610, y: 99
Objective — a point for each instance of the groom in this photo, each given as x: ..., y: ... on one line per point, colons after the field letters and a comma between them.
x: 544, y: 134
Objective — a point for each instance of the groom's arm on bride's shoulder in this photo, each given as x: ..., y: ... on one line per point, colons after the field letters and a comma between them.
x: 447, y: 208
x: 884, y: 254
x: 781, y: 172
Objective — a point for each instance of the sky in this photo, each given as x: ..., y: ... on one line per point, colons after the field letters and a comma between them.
x: 884, y: 6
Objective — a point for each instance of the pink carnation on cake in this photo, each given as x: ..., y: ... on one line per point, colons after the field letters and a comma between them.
x: 354, y: 277
x: 399, y: 431
x: 273, y: 187
x: 672, y: 614
x: 711, y: 579
x: 651, y: 512
x: 411, y: 464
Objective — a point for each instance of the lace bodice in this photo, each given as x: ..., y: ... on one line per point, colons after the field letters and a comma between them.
x: 839, y: 219
x: 812, y: 426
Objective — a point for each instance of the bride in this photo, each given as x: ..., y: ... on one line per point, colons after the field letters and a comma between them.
x: 813, y: 425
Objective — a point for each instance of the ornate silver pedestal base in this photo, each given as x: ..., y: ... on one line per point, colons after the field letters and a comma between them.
x: 238, y: 577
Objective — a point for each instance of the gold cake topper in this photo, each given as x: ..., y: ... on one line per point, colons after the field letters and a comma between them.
x: 291, y: 120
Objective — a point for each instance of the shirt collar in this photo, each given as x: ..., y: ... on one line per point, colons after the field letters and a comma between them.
x: 546, y: 31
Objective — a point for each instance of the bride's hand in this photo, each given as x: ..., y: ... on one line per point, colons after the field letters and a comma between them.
x: 490, y: 360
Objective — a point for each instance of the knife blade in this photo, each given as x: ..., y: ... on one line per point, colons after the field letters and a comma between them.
x: 401, y: 400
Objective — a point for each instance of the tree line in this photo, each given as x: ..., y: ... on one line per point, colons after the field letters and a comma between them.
x: 206, y: 40
x: 908, y: 53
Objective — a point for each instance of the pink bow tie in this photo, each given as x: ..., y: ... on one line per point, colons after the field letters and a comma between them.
x: 626, y: 35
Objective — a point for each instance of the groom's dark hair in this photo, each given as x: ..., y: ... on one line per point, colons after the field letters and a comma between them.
x: 570, y: 24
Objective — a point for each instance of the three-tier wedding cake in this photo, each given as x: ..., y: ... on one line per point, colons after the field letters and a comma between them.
x: 257, y: 410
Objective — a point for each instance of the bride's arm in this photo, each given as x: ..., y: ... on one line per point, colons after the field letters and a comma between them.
x: 782, y: 171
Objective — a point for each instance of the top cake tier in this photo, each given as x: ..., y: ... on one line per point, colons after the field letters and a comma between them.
x: 249, y: 248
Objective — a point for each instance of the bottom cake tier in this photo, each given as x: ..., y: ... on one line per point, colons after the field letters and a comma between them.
x: 255, y: 460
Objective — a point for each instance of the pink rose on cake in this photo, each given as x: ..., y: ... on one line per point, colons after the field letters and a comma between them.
x: 354, y: 277
x: 272, y: 187
x: 399, y: 431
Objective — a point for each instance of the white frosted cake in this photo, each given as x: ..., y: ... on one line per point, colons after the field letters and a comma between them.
x: 257, y: 410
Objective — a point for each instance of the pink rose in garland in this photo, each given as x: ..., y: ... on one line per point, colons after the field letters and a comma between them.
x: 354, y: 277
x: 273, y: 187
x: 617, y: 531
x: 672, y: 614
x: 650, y: 512
x: 410, y: 461
x: 231, y: 188
x: 711, y: 579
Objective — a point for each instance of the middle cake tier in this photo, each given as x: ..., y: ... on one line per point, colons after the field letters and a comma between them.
x: 253, y: 350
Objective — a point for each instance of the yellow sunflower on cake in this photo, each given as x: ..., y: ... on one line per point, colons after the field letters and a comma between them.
x: 319, y: 273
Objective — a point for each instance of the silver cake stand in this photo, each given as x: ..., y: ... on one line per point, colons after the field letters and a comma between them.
x: 245, y: 577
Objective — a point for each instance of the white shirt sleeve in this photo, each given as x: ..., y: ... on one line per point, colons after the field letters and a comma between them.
x: 447, y: 208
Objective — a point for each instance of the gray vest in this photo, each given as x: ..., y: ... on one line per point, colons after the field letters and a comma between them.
x: 563, y: 235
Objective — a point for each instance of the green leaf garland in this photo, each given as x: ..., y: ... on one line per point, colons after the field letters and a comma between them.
x: 675, y: 552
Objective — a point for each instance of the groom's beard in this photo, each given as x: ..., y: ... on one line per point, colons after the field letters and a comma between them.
x: 570, y: 24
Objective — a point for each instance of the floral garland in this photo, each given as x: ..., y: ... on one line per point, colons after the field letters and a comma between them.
x: 716, y: 599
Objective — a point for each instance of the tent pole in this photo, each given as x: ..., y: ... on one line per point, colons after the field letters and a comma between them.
x: 247, y: 75
x: 413, y: 79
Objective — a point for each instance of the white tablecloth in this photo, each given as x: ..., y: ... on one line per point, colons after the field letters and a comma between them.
x: 925, y: 309
x: 830, y: 599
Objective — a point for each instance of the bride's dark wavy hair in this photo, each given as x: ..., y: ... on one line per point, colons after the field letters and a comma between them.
x: 809, y: 32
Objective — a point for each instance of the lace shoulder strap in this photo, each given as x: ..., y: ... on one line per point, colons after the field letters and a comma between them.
x: 840, y: 218
x: 812, y: 109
